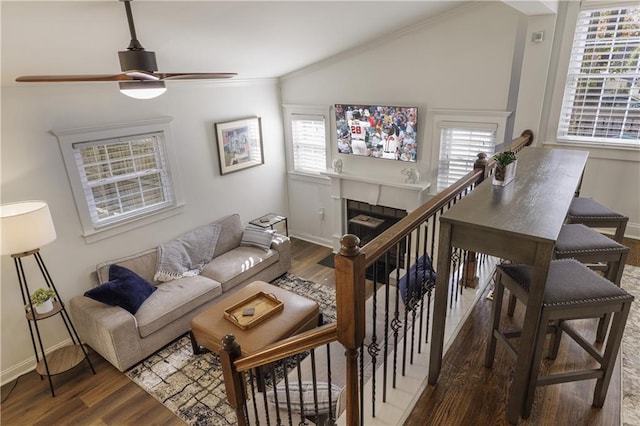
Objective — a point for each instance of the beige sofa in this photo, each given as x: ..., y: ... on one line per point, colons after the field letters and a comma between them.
x: 124, y: 339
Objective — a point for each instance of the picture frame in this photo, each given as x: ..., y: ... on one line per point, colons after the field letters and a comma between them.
x: 239, y: 144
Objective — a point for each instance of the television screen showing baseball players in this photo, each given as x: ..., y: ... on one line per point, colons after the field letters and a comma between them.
x: 388, y: 132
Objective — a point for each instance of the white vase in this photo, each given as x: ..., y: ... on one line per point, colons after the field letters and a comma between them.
x: 44, y: 307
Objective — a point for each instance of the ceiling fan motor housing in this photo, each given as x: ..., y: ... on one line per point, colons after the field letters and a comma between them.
x: 138, y: 60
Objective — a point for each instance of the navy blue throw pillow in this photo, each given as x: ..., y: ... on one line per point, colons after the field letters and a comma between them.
x: 420, y: 272
x: 125, y: 288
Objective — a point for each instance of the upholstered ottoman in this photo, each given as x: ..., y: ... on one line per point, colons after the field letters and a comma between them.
x: 210, y: 326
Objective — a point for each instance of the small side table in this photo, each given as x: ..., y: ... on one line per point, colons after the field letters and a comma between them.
x: 269, y: 220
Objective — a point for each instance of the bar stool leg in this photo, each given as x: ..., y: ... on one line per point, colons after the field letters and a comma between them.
x: 614, y: 274
x: 513, y: 300
x: 496, y: 309
x: 535, y: 363
x: 610, y: 354
x: 555, y: 343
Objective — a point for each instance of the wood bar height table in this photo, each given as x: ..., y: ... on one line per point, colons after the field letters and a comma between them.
x: 520, y: 222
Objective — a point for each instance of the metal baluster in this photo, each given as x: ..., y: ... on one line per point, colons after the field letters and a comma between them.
x: 253, y: 397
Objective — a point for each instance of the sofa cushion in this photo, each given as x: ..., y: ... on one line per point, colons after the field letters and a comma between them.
x: 257, y: 237
x: 230, y: 234
x: 237, y: 265
x: 125, y: 288
x: 143, y: 264
x: 172, y: 300
x: 188, y: 254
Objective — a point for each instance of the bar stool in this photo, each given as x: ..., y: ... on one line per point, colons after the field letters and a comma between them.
x: 572, y: 291
x: 598, y: 252
x: 595, y: 215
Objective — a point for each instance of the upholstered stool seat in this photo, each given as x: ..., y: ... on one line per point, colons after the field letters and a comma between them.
x: 582, y: 243
x: 595, y: 215
x: 572, y: 291
x: 598, y: 252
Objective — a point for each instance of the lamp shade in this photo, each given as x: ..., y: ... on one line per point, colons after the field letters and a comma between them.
x: 25, y: 226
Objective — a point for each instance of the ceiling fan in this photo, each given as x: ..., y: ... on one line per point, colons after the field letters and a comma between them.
x: 139, y: 77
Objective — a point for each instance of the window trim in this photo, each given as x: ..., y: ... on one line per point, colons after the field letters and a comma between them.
x: 564, y: 46
x: 289, y: 111
x: 437, y: 117
x: 67, y: 138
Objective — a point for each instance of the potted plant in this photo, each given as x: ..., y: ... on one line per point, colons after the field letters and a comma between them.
x: 42, y: 299
x: 505, y: 171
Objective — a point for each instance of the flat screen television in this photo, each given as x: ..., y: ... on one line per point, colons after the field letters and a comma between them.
x: 378, y: 131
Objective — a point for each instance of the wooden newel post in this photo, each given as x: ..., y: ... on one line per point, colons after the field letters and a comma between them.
x: 481, y: 163
x: 233, y: 381
x: 350, y: 299
x: 469, y: 278
x: 528, y: 133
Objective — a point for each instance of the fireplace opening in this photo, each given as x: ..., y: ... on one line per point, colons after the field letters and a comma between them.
x: 367, y: 221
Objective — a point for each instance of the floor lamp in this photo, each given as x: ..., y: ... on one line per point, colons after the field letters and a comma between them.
x: 27, y: 226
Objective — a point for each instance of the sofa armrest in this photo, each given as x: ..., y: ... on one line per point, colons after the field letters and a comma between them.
x: 282, y: 244
x: 109, y: 330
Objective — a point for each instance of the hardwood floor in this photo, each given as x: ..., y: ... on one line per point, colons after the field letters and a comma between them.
x: 470, y: 395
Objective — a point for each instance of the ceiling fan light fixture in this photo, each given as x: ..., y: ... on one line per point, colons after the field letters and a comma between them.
x: 142, y: 89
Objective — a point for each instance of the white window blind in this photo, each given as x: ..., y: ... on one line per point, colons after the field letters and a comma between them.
x: 309, y: 145
x: 602, y: 97
x: 460, y: 144
x: 123, y: 177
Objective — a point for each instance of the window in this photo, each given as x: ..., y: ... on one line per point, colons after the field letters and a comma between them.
x: 462, y: 134
x: 309, y: 146
x: 120, y: 175
x: 460, y: 144
x: 123, y: 177
x: 306, y: 138
x: 602, y: 95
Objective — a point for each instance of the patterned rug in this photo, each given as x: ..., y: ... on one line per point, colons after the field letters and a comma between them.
x: 630, y: 347
x: 192, y: 386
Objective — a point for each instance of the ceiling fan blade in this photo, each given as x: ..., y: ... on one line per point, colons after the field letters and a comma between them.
x: 195, y: 75
x: 137, y: 64
x: 130, y: 75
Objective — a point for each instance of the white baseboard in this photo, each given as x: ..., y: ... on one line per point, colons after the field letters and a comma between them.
x: 312, y: 238
x: 632, y: 231
x: 27, y: 365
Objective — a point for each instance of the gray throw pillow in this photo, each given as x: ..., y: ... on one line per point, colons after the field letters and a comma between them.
x: 257, y: 237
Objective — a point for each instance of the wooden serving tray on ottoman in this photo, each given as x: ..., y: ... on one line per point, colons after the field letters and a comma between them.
x: 262, y: 306
x: 296, y: 314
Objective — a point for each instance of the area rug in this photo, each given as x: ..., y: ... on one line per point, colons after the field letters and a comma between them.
x: 192, y: 386
x: 630, y: 348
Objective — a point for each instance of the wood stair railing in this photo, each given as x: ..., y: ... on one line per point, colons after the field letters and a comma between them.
x: 350, y: 266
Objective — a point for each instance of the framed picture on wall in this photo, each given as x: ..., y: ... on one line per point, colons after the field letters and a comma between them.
x: 239, y: 144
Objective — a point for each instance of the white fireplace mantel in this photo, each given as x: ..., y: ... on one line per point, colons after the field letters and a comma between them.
x: 375, y: 191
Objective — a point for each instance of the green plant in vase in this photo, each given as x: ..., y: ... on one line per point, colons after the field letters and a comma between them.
x: 41, y: 298
x: 503, y: 159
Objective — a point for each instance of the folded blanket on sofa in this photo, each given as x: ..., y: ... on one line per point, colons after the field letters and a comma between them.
x: 187, y: 254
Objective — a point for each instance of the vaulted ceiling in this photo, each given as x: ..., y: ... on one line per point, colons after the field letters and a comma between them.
x: 256, y: 39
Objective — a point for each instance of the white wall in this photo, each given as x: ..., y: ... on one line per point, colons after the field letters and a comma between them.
x: 459, y: 60
x: 32, y: 168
